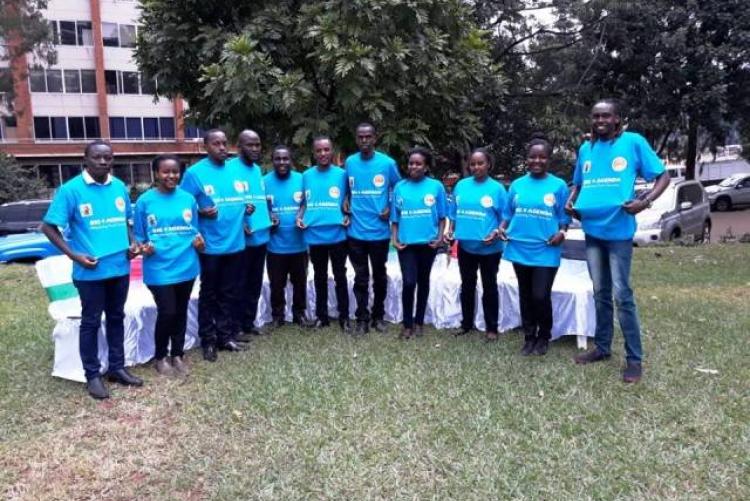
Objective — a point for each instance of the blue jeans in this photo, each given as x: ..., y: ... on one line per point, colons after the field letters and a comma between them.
x: 102, y: 296
x: 609, y: 267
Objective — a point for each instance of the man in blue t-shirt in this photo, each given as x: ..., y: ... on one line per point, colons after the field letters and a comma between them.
x: 220, y: 195
x: 372, y: 176
x: 324, y: 223
x: 95, y: 206
x: 287, y: 250
x: 603, y: 198
x: 257, y: 227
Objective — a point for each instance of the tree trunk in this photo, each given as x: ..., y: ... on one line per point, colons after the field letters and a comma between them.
x: 692, y: 148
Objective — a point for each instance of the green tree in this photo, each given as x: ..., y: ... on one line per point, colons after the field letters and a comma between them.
x: 23, y: 30
x: 15, y: 181
x: 420, y: 71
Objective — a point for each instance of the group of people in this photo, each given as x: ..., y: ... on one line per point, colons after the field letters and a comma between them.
x: 225, y: 220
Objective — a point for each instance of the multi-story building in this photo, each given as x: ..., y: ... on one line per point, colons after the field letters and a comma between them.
x: 93, y: 91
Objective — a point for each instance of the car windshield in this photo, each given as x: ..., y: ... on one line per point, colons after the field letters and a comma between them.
x: 728, y: 182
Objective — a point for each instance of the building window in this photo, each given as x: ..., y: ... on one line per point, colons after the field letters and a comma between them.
x: 85, y: 33
x: 63, y: 128
x: 130, y: 82
x: 109, y: 35
x: 193, y: 132
x: 91, y: 124
x: 151, y: 128
x: 148, y: 86
x: 88, y: 81
x: 134, y: 128
x: 110, y: 79
x: 59, y: 127
x: 50, y: 174
x: 54, y: 80
x: 117, y: 127
x: 54, y: 32
x: 122, y: 171
x: 166, y: 127
x: 72, y: 33
x: 68, y: 32
x: 41, y: 128
x: 37, y: 81
x: 72, y: 81
x: 142, y: 174
x: 70, y: 171
x: 127, y: 35
x: 75, y: 128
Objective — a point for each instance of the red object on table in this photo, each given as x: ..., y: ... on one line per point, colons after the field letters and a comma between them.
x: 136, y: 269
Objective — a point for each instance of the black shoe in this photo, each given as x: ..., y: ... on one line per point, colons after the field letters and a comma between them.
x: 379, y: 326
x: 632, y: 373
x: 209, y: 353
x: 125, y: 378
x: 278, y: 323
x: 362, y: 328
x: 541, y: 346
x: 97, y: 389
x: 243, y: 337
x: 528, y: 347
x: 462, y: 331
x: 591, y: 356
x: 418, y: 330
x: 321, y: 324
x: 302, y: 322
x: 232, y: 346
x: 346, y: 326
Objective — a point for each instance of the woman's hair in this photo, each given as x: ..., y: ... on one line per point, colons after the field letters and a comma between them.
x: 539, y: 139
x: 487, y: 155
x: 426, y: 154
x: 156, y: 162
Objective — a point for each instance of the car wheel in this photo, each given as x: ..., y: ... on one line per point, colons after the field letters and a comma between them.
x: 674, y: 235
x: 705, y: 236
x: 723, y: 204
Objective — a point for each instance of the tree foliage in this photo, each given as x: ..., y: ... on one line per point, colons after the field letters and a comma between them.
x: 15, y: 182
x: 419, y: 70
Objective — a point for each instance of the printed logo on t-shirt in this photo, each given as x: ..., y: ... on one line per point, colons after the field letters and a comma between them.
x: 120, y: 204
x: 549, y: 199
x: 334, y: 192
x: 86, y: 210
x: 486, y: 201
x: 619, y: 164
x: 239, y: 186
x: 297, y: 196
x: 378, y: 181
x: 208, y: 189
x: 187, y: 215
x: 151, y: 220
x: 587, y: 166
x: 429, y: 200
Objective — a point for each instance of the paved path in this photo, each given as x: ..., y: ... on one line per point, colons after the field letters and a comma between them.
x: 739, y: 220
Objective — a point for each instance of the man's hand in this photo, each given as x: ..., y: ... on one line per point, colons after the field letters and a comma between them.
x: 88, y: 262
x: 502, y: 235
x: 209, y: 212
x: 635, y: 206
x: 134, y: 250
x: 198, y: 243
x: 247, y: 230
x: 569, y: 210
x: 300, y: 223
x: 249, y: 209
x: 385, y: 214
x: 437, y: 242
x: 347, y: 221
x: 556, y: 239
x: 398, y: 245
x: 148, y: 249
x: 275, y: 222
x: 492, y: 237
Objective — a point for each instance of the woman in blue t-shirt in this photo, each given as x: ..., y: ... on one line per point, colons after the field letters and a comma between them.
x: 475, y: 222
x: 166, y: 226
x: 418, y: 212
x: 534, y: 223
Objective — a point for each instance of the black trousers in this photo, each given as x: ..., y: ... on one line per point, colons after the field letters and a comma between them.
x: 535, y: 298
x: 487, y: 264
x: 283, y: 267
x: 377, y: 253
x: 251, y: 284
x: 171, y: 317
x: 218, y: 297
x: 319, y: 255
x: 416, y: 264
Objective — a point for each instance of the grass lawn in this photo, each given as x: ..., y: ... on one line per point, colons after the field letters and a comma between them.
x: 321, y: 415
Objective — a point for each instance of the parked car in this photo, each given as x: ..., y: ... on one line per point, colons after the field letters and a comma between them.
x: 682, y: 210
x: 734, y: 191
x: 25, y: 247
x: 22, y: 216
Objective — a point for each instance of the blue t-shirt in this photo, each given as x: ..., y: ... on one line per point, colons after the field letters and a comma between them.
x: 324, y: 194
x: 535, y: 211
x: 285, y: 196
x: 605, y: 173
x: 370, y: 183
x: 477, y: 210
x: 220, y: 185
x: 259, y: 221
x: 169, y: 221
x: 97, y: 217
x: 418, y: 207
